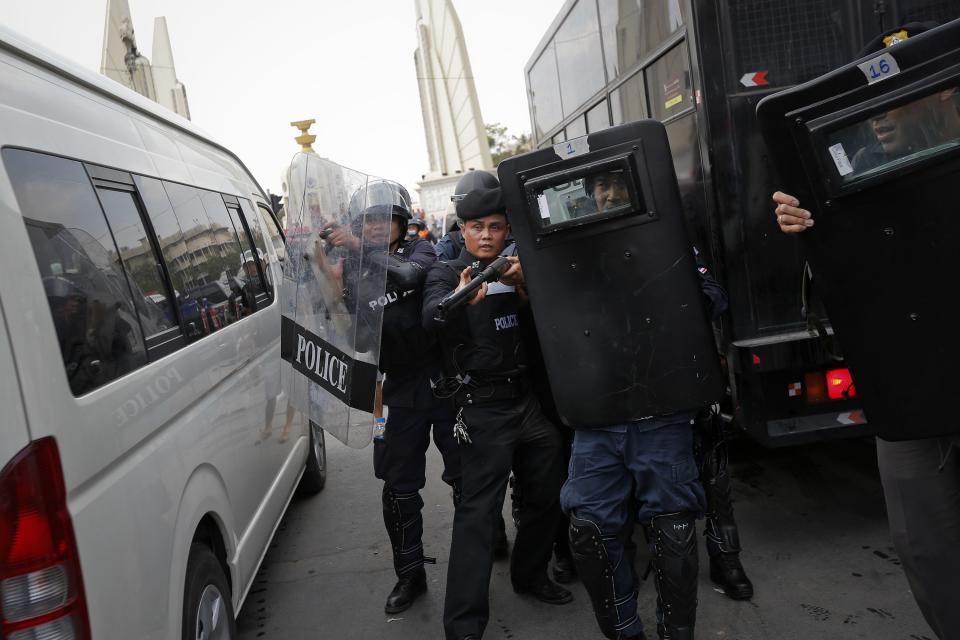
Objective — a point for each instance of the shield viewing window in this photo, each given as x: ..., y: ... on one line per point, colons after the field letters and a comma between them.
x: 887, y: 139
x: 584, y: 195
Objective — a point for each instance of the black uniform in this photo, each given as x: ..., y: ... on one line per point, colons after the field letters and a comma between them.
x: 484, y: 360
x: 409, y: 359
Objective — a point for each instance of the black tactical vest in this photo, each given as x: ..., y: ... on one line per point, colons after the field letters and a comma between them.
x: 405, y: 344
x: 486, y: 341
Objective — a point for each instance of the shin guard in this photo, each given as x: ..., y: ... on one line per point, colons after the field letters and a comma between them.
x: 596, y: 573
x: 404, y: 521
x: 673, y: 541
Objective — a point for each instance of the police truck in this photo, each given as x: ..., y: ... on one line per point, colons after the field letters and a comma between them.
x: 701, y: 67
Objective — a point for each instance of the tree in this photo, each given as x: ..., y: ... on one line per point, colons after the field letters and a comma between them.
x: 503, y: 144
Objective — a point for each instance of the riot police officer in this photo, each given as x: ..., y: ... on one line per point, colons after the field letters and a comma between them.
x: 409, y: 359
x: 920, y: 478
x: 500, y: 422
x: 653, y: 459
x: 449, y: 248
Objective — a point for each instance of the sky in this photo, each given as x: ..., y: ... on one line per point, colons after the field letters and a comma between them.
x: 252, y: 67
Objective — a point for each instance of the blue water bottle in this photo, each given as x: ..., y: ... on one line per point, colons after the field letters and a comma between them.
x: 379, y: 429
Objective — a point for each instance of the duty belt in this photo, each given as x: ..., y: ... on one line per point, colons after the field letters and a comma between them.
x: 481, y: 393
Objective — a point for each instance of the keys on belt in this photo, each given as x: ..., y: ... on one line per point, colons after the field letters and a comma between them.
x: 460, y: 433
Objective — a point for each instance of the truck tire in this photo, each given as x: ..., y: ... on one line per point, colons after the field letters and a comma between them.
x: 207, y: 601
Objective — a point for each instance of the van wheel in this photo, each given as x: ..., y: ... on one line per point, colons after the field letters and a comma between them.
x: 207, y: 605
x: 315, y: 475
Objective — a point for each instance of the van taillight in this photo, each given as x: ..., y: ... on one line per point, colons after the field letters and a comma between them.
x: 840, y: 384
x: 41, y: 589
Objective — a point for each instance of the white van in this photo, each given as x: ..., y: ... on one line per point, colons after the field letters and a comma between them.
x: 147, y: 448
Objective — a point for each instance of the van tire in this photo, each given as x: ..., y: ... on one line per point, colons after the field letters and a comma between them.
x: 206, y: 591
x: 315, y: 474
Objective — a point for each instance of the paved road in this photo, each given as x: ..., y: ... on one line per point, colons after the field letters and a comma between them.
x: 812, y: 521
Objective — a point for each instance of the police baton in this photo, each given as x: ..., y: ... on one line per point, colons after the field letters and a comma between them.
x: 459, y: 298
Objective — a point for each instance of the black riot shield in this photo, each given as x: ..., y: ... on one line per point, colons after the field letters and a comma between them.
x: 873, y: 151
x: 612, y: 277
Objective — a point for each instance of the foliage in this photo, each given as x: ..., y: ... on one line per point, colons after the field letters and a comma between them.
x: 504, y: 145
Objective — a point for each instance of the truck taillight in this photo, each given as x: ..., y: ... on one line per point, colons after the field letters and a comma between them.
x: 840, y: 384
x: 41, y: 589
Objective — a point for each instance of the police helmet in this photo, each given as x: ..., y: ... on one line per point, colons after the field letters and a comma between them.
x: 473, y: 180
x: 419, y: 222
x: 380, y: 198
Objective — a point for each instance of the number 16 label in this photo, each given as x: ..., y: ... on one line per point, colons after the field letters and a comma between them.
x: 880, y: 68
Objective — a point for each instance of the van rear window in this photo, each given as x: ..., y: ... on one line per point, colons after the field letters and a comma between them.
x: 97, y: 326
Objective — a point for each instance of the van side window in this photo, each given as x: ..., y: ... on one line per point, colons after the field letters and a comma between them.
x: 210, y: 300
x: 273, y: 229
x: 96, y: 322
x: 140, y: 261
x: 249, y: 214
x: 170, y: 236
x: 251, y: 272
x: 245, y: 281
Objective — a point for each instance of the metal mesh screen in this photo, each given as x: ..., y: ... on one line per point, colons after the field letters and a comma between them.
x: 793, y: 40
x: 939, y: 11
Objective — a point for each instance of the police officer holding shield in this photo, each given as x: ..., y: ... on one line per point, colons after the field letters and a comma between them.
x: 653, y: 460
x: 920, y: 478
x: 721, y: 532
x: 409, y: 359
x: 500, y: 423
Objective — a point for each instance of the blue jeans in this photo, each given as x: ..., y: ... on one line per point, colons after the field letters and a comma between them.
x: 653, y: 462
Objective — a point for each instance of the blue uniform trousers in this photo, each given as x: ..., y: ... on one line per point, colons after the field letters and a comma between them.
x: 650, y: 461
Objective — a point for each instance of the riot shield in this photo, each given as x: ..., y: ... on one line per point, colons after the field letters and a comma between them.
x: 612, y: 277
x: 334, y: 276
x: 873, y: 150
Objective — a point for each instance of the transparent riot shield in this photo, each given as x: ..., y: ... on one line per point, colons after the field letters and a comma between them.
x: 337, y: 238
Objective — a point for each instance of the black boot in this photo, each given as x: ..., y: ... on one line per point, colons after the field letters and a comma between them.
x: 408, y: 588
x: 724, y: 551
x: 673, y: 539
x: 721, y: 532
x: 404, y: 521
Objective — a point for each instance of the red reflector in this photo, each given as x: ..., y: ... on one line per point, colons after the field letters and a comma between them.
x: 36, y: 536
x: 756, y: 359
x: 840, y: 384
x: 816, y: 387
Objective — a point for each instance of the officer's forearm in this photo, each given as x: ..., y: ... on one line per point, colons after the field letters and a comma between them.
x: 405, y: 275
x: 434, y: 292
